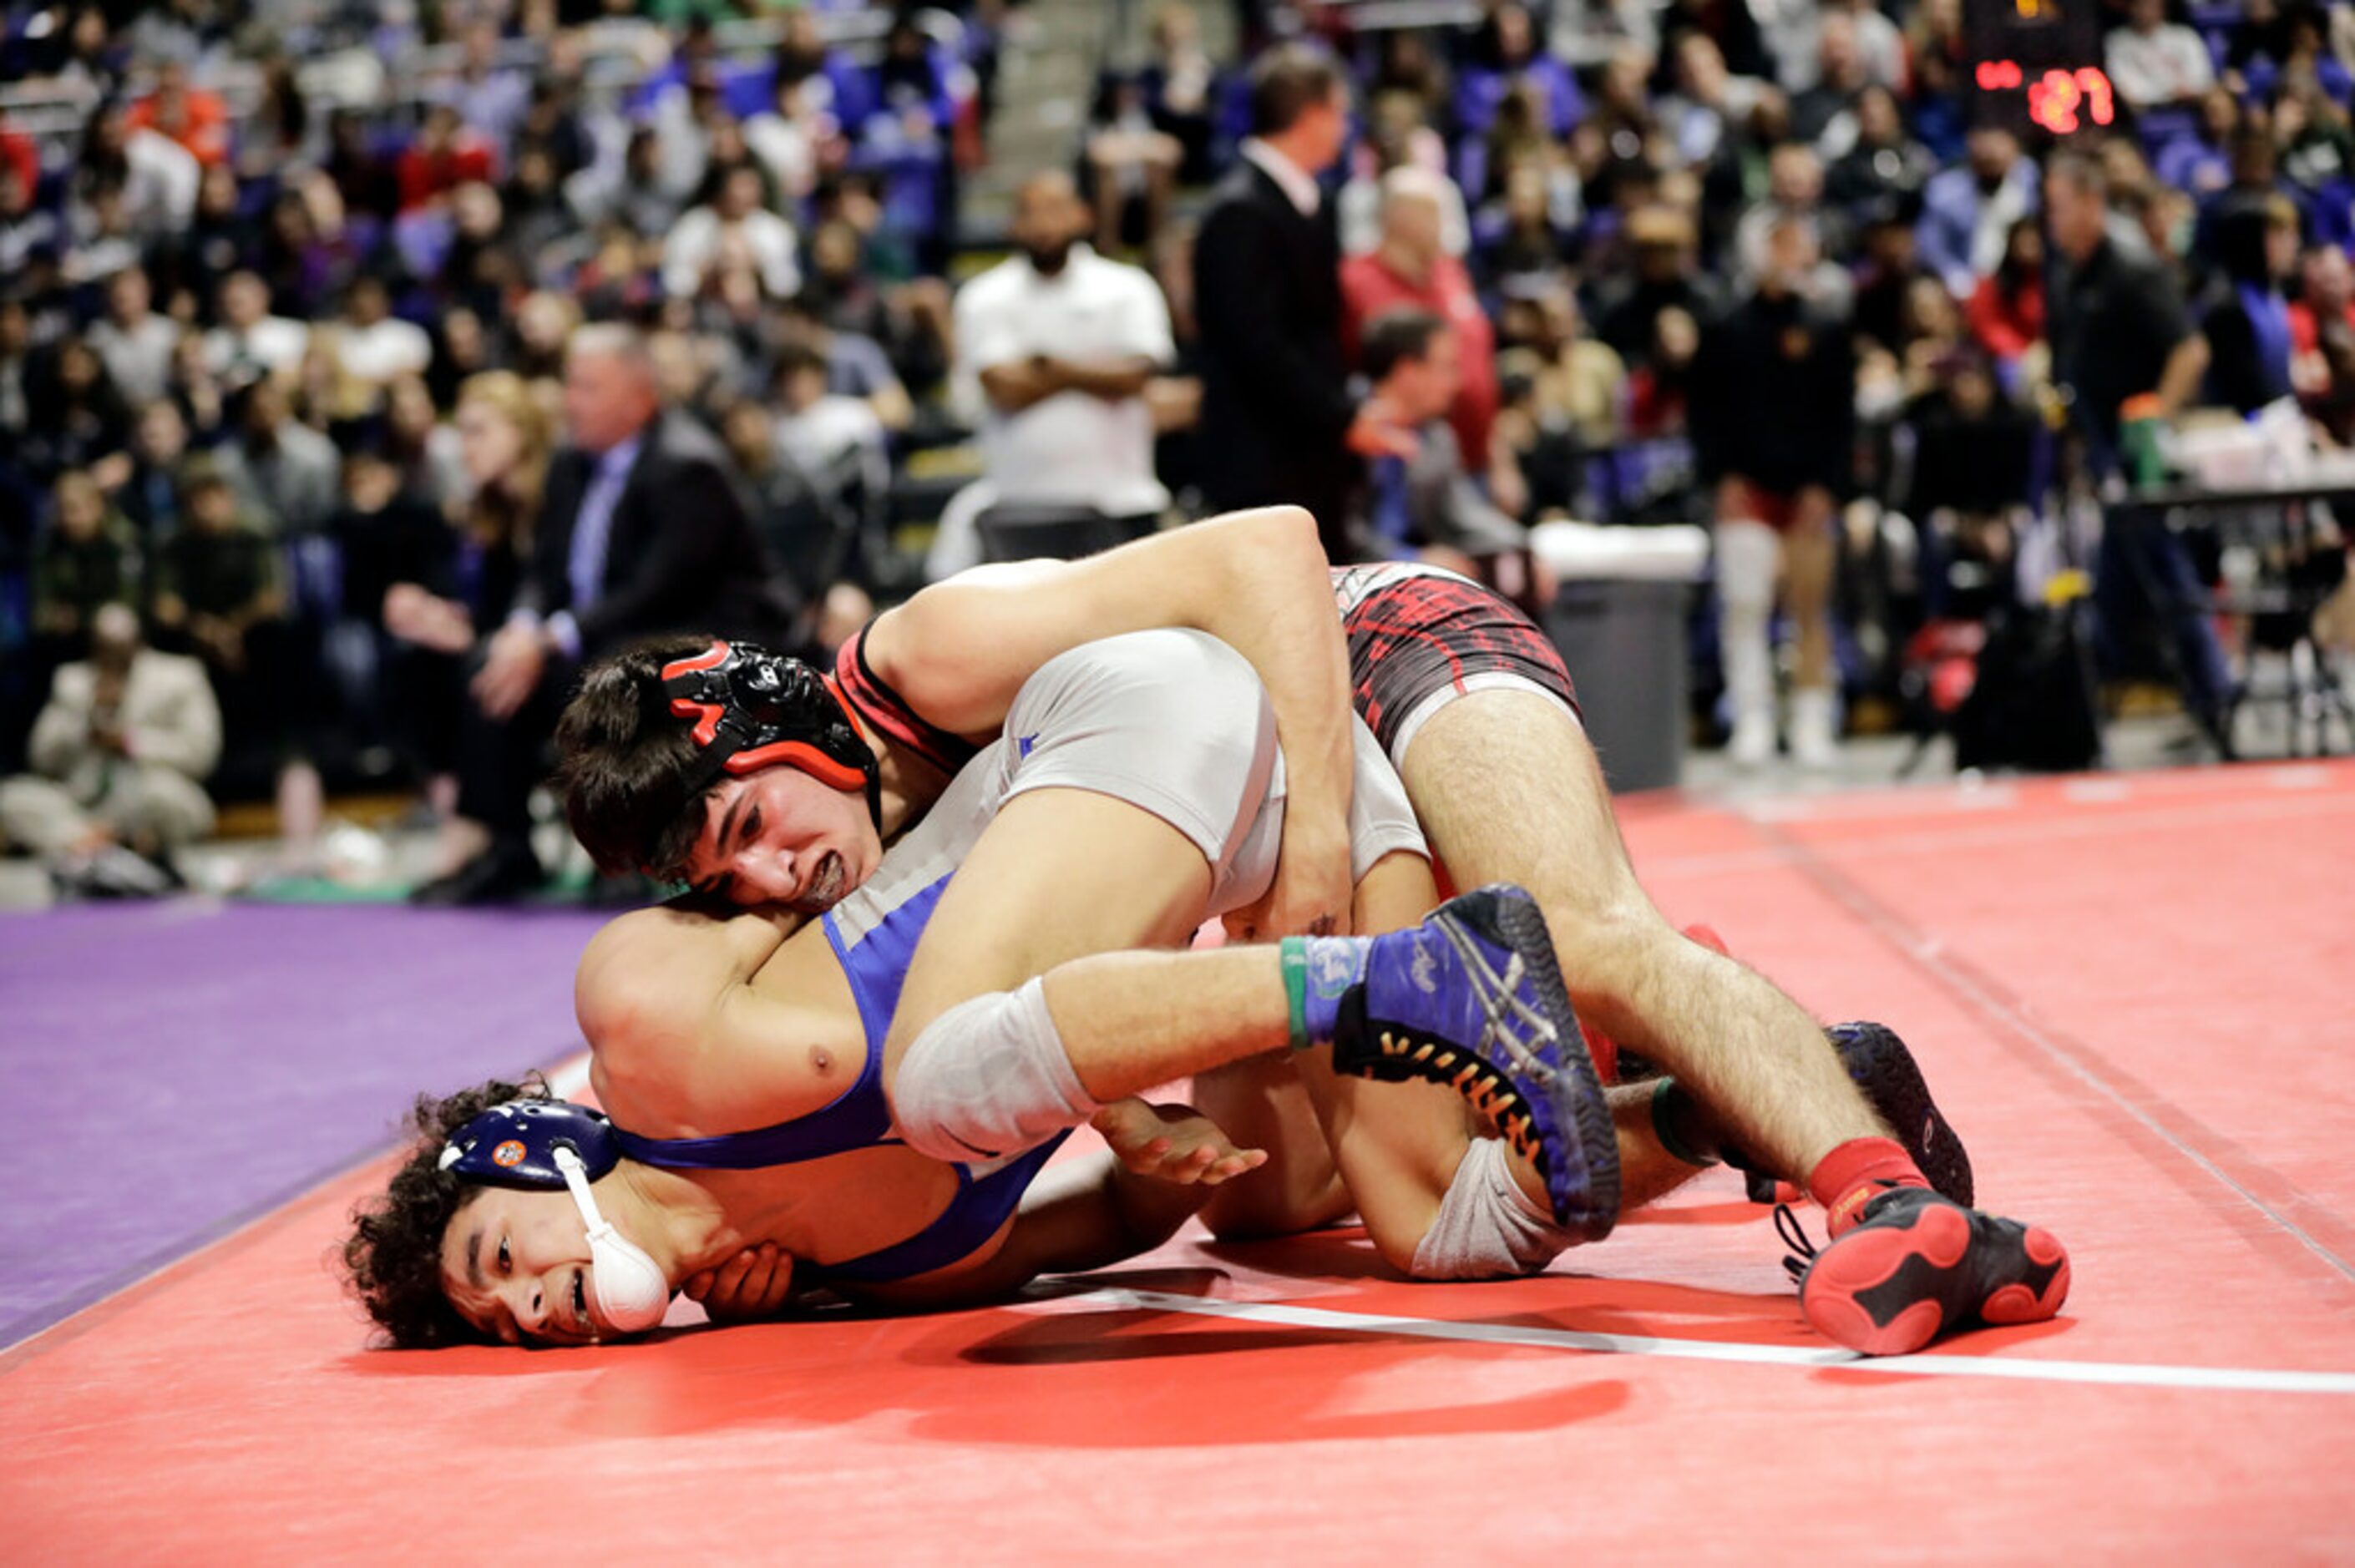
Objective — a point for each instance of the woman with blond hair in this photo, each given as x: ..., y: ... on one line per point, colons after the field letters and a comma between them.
x: 507, y: 429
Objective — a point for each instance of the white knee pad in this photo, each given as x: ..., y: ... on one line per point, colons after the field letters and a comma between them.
x: 988, y: 1077
x: 1487, y: 1227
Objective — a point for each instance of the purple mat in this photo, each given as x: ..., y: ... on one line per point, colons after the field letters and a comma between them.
x: 169, y: 1071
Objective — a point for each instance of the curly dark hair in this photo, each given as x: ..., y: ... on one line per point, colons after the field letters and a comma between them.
x: 393, y: 1257
x: 623, y: 762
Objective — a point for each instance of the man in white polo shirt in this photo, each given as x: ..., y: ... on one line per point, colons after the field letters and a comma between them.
x: 1062, y: 342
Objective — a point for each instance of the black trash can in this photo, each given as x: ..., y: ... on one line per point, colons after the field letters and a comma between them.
x: 1624, y: 639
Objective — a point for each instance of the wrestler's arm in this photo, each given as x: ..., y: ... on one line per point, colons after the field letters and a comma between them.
x: 1257, y: 580
x: 682, y: 1046
x: 1080, y: 1214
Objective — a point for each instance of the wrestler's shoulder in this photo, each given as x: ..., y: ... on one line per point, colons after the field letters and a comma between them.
x: 663, y: 954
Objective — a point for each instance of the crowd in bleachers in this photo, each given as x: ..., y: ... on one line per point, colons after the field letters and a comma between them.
x: 286, y: 291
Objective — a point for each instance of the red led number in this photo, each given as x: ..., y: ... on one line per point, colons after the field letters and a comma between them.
x: 2059, y: 101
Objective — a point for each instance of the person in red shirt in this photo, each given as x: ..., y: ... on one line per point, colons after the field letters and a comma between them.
x: 194, y: 118
x: 445, y: 156
x: 2322, y: 332
x: 1412, y: 268
x: 17, y: 152
x: 2005, y: 313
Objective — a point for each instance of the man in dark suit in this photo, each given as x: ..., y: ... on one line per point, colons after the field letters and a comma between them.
x: 1278, y: 423
x: 643, y: 531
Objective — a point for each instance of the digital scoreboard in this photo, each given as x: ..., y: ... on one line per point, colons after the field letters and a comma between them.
x: 2036, y: 65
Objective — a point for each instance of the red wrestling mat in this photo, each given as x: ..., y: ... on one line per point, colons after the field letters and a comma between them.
x: 2128, y: 992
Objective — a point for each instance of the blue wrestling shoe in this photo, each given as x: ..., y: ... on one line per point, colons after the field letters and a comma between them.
x: 1473, y: 999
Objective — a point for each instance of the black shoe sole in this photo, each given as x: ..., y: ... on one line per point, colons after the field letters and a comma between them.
x: 1924, y: 1270
x: 1879, y: 1062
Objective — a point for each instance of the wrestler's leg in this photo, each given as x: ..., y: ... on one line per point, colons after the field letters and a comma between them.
x: 1810, y: 557
x: 1059, y: 873
x: 1747, y: 558
x: 1398, y: 1145
x: 1508, y: 789
x: 1262, y: 1103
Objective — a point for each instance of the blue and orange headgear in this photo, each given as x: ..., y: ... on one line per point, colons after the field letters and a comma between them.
x: 753, y: 708
x: 555, y: 1146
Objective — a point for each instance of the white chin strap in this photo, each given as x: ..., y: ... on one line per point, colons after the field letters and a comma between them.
x: 631, y: 1292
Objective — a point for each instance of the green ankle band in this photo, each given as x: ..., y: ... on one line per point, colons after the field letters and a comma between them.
x: 1664, y: 1128
x: 1293, y: 953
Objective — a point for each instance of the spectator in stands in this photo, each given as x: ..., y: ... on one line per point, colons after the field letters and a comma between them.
x: 250, y: 343
x: 373, y: 346
x: 2201, y: 162
x: 1060, y: 343
x: 801, y: 535
x: 2007, y: 309
x: 1665, y: 277
x: 2121, y: 335
x: 159, y: 178
x: 1824, y: 115
x: 195, y: 119
x: 218, y: 596
x: 1424, y: 506
x: 133, y: 340
x: 833, y: 440
x: 119, y: 756
x: 911, y: 102
x: 1968, y: 212
x: 1969, y: 479
x: 1506, y: 56
x: 504, y: 437
x: 216, y: 242
x: 1411, y: 267
x: 1525, y: 237
x: 1132, y: 165
x: 1278, y: 424
x: 26, y: 226
x: 148, y: 491
x: 2154, y: 63
x: 446, y: 154
x: 495, y: 99
x: 1795, y: 193
x: 287, y: 475
x: 74, y: 415
x: 89, y: 559
x: 642, y: 532
x: 1659, y: 389
x: 1884, y: 167
x: 2317, y: 146
x: 1794, y: 36
x: 2322, y: 337
x: 1181, y: 86
x: 1773, y: 415
x: 384, y: 534
x: 1888, y: 269
x: 1397, y: 138
x: 734, y: 228
x: 2245, y: 318
x: 855, y: 365
x: 1577, y: 381
x: 281, y: 131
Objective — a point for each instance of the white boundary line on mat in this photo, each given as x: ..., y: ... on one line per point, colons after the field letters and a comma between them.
x: 2246, y: 1380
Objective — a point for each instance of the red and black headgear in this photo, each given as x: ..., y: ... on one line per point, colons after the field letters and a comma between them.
x: 753, y: 708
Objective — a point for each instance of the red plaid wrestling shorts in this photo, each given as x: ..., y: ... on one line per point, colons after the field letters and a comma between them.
x: 1420, y: 637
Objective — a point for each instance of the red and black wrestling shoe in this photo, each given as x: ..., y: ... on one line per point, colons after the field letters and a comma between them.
x: 1916, y: 1265
x: 1880, y: 1064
